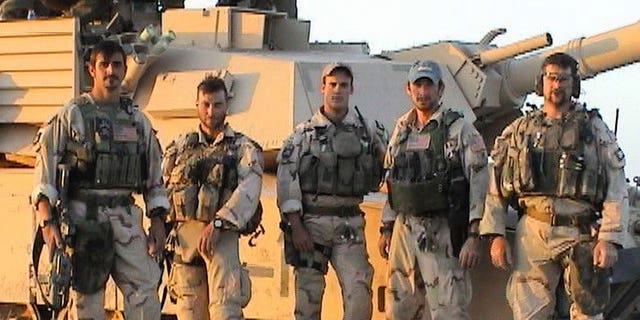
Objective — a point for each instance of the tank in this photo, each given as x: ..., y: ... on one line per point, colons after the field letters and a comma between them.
x: 273, y: 74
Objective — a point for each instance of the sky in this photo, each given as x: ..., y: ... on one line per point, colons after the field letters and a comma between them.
x: 397, y: 24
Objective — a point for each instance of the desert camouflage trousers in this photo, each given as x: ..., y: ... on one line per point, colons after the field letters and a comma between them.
x: 541, y: 260
x: 219, y: 289
x: 422, y: 266
x: 134, y: 271
x: 349, y: 258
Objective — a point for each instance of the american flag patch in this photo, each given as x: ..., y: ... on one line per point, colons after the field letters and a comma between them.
x: 418, y: 141
x: 126, y: 133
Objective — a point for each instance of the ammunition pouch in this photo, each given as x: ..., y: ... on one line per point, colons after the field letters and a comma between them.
x: 589, y: 285
x: 112, y: 156
x: 558, y: 160
x: 318, y: 259
x: 343, y: 164
x: 93, y: 255
x: 416, y: 198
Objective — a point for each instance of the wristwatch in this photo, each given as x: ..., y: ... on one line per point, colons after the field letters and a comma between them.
x: 218, y: 223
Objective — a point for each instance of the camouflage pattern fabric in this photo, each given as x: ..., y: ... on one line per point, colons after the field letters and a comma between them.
x: 219, y: 289
x: 134, y: 271
x: 421, y: 249
x: 349, y: 258
x: 421, y: 262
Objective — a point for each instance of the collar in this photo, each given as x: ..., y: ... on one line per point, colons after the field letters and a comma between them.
x: 320, y: 120
x: 408, y: 119
x: 227, y: 131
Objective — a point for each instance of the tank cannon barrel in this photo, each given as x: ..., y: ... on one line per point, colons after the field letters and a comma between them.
x: 595, y: 54
x: 491, y: 56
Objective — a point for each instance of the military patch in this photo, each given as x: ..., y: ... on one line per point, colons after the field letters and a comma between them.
x: 619, y: 154
x: 418, y: 141
x: 287, y: 151
x: 125, y: 133
x: 103, y: 128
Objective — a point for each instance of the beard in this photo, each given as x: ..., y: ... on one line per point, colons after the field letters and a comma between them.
x: 558, y: 97
x: 215, y: 123
x: 427, y: 105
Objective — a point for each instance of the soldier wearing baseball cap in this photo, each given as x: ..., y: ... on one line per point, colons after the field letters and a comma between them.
x: 437, y: 164
x: 325, y: 168
x: 425, y: 69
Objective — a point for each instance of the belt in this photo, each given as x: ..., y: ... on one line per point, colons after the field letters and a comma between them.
x: 104, y: 200
x: 344, y: 211
x: 574, y: 220
x: 429, y: 214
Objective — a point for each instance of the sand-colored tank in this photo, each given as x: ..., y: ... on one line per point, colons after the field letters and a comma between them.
x: 273, y: 74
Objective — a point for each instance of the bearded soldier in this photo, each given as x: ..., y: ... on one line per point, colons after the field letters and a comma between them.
x: 214, y: 178
x: 562, y: 169
x: 324, y: 169
x: 112, y: 152
x: 436, y: 181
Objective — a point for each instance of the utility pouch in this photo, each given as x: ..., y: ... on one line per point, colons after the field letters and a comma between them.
x: 525, y: 165
x: 327, y: 167
x: 589, y: 285
x: 570, y: 168
x: 589, y: 185
x: 187, y: 236
x: 308, y: 171
x: 419, y: 197
x: 345, y: 176
x: 103, y: 172
x: 245, y: 287
x: 93, y: 255
x: 185, y: 202
x: 364, y: 176
x: 208, y: 200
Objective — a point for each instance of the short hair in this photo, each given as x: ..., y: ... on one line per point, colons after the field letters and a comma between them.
x: 562, y: 60
x: 107, y: 48
x: 211, y: 84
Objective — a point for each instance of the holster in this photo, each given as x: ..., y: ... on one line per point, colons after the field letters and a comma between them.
x: 589, y: 284
x: 458, y: 217
x: 93, y: 255
x: 318, y: 259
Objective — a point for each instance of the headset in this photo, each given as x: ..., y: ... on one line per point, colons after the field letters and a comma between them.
x: 575, y: 92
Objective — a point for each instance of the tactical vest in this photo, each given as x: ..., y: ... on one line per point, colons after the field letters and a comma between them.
x: 423, y: 181
x: 339, y: 162
x: 203, y: 179
x: 554, y: 157
x: 113, y: 153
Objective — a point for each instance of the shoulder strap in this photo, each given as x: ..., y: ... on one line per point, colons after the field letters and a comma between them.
x: 450, y: 116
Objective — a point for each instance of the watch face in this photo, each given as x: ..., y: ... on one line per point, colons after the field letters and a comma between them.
x: 217, y: 223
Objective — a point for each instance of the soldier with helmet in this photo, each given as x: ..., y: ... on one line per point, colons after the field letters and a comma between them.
x: 112, y: 152
x: 561, y: 168
x: 324, y: 169
x: 214, y: 178
x: 436, y: 181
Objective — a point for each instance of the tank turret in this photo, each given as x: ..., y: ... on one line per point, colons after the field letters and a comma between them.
x: 495, y: 81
